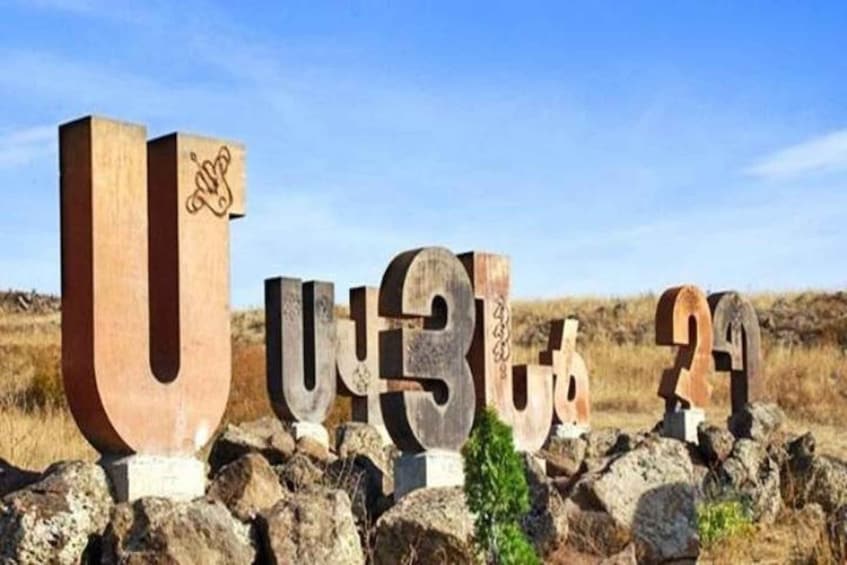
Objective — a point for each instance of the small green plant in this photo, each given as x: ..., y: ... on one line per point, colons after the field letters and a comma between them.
x: 722, y: 518
x: 497, y: 492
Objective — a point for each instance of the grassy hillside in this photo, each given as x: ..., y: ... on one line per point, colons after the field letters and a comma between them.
x: 804, y: 335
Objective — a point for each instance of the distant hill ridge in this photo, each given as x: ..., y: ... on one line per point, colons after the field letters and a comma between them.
x: 810, y: 318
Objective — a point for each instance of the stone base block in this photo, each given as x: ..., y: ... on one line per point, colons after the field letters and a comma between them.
x: 308, y: 429
x: 568, y: 431
x: 434, y: 468
x: 682, y: 424
x: 137, y: 476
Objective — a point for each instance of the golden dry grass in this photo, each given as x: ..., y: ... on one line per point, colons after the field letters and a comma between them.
x: 616, y: 339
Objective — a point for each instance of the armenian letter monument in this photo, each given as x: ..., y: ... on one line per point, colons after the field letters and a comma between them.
x: 146, y: 356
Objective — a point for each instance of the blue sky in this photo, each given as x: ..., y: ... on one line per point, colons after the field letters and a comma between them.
x: 608, y: 148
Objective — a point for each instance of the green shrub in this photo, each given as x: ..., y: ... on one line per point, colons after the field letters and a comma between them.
x: 496, y: 491
x: 721, y: 519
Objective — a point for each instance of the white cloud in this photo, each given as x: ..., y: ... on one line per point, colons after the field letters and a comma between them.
x: 20, y: 147
x: 820, y: 154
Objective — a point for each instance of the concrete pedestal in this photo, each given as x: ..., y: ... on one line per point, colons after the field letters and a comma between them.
x: 137, y: 476
x: 682, y: 424
x: 568, y: 431
x: 308, y: 429
x: 434, y: 468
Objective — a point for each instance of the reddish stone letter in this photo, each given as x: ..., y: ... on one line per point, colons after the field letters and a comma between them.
x: 522, y: 395
x: 145, y: 284
x: 571, y: 399
x: 683, y: 319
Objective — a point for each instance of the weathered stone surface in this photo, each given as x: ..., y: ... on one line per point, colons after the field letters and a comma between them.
x: 810, y: 478
x: 54, y: 519
x: 310, y: 526
x: 357, y: 356
x: 13, y: 478
x: 751, y: 472
x: 684, y: 385
x: 546, y: 523
x: 299, y: 472
x: 267, y: 436
x: 314, y: 450
x: 649, y: 492
x: 625, y: 557
x: 593, y: 530
x: 430, y: 284
x: 157, y: 530
x: 606, y: 441
x: 426, y: 526
x: 357, y: 438
x: 564, y: 456
x: 759, y: 421
x: 737, y: 346
x: 145, y: 243
x: 369, y: 488
x: 715, y: 444
x: 300, y: 348
x: 801, y: 449
x: 247, y: 486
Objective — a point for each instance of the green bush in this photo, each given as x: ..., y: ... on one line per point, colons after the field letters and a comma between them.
x: 496, y: 491
x: 721, y: 519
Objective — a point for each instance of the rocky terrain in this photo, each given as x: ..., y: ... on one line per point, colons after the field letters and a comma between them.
x: 607, y: 497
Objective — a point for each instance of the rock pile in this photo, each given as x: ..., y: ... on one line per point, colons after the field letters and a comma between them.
x: 606, y: 497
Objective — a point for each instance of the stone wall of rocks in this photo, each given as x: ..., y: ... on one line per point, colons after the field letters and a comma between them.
x: 606, y: 497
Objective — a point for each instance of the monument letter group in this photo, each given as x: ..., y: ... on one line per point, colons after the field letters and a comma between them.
x: 146, y: 353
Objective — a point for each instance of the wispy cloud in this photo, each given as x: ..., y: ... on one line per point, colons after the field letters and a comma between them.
x: 22, y: 146
x: 820, y: 154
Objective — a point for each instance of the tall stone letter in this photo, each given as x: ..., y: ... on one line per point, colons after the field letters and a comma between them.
x: 683, y: 319
x: 737, y: 346
x: 146, y: 353
x: 430, y: 425
x: 571, y: 398
x: 357, y: 356
x: 300, y: 350
x: 522, y: 395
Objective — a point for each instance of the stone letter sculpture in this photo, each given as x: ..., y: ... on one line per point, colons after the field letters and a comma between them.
x: 522, y: 395
x: 300, y: 353
x: 146, y: 356
x: 737, y: 346
x: 357, y: 356
x: 571, y: 398
x: 683, y: 319
x: 430, y: 425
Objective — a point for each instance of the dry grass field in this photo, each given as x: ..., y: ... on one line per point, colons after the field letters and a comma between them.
x: 804, y: 335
